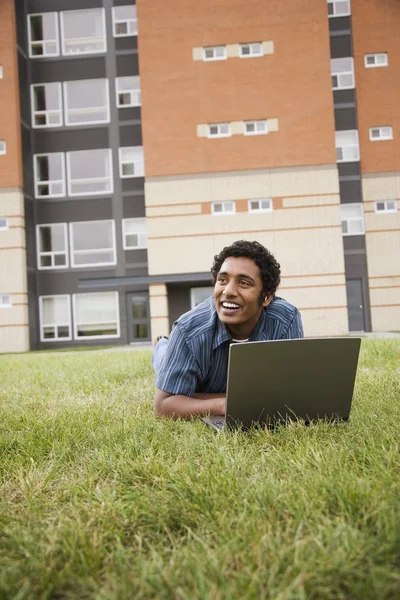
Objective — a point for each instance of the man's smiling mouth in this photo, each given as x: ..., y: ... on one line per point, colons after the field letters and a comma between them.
x: 230, y: 305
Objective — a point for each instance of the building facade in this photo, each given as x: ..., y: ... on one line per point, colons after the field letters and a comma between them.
x: 145, y: 138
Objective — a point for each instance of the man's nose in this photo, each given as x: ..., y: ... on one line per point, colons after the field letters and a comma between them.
x: 231, y: 288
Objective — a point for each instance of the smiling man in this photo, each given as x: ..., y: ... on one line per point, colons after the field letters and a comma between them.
x: 192, y: 365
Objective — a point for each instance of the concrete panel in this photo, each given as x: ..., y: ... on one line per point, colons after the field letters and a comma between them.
x: 381, y: 186
x: 273, y: 124
x: 232, y: 50
x: 14, y: 339
x: 159, y: 211
x: 237, y: 127
x: 17, y: 315
x: 197, y: 53
x: 268, y: 47
x: 325, y: 322
x: 383, y: 252
x: 386, y: 318
x: 202, y: 130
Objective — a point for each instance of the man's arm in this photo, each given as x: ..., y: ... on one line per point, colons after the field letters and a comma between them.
x: 184, y: 407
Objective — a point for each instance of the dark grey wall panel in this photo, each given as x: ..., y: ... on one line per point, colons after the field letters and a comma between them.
x: 136, y: 256
x: 65, y: 281
x: 344, y: 96
x: 129, y: 114
x: 345, y: 118
x: 127, y: 65
x: 33, y: 312
x: 354, y: 242
x: 339, y: 24
x: 341, y: 46
x: 130, y: 135
x: 21, y: 26
x: 71, y: 138
x: 51, y: 5
x: 350, y: 191
x: 27, y: 162
x: 134, y: 207
x: 126, y: 43
x: 73, y: 210
x: 24, y: 90
x: 133, y: 184
x: 350, y: 168
x: 30, y: 233
x: 68, y: 69
x: 123, y: 2
x: 178, y: 302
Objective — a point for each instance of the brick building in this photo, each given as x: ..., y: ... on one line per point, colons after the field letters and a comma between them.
x: 154, y: 134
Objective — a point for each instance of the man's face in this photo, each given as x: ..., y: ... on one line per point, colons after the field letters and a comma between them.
x: 237, y: 293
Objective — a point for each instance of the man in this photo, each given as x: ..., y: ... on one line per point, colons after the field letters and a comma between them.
x: 191, y: 366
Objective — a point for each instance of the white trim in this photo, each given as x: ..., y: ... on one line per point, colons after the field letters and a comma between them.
x: 56, y: 40
x: 260, y: 209
x: 51, y: 253
x: 333, y: 3
x: 223, y: 204
x: 252, y: 52
x: 83, y: 40
x: 109, y: 179
x: 348, y: 151
x: 67, y: 323
x: 137, y: 163
x: 260, y: 127
x: 214, y: 50
x: 131, y: 23
x: 3, y: 147
x: 142, y: 236
x: 343, y: 75
x: 46, y: 113
x: 218, y: 134
x: 378, y: 56
x: 352, y: 220
x: 87, y: 110
x: 385, y: 208
x: 5, y: 300
x: 50, y: 183
x: 74, y: 252
x: 95, y: 337
x: 3, y: 223
x: 384, y: 133
x: 135, y: 94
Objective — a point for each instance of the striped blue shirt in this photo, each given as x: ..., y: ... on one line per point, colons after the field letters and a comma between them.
x: 196, y: 359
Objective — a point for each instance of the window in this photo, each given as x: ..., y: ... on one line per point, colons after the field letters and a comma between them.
x: 223, y: 208
x: 52, y: 250
x: 89, y: 172
x: 92, y: 243
x: 376, y: 60
x: 131, y: 162
x: 1, y: 71
x: 386, y: 206
x: 342, y: 70
x: 134, y: 233
x: 83, y: 31
x: 124, y: 20
x: 199, y: 294
x: 380, y: 133
x: 260, y: 205
x: 96, y: 315
x: 86, y: 102
x: 255, y: 127
x: 3, y: 147
x: 253, y: 49
x: 5, y: 300
x: 43, y: 35
x: 214, y: 53
x: 3, y: 224
x: 55, y: 318
x: 352, y: 217
x: 338, y: 8
x: 347, y: 149
x: 219, y: 130
x: 128, y: 91
x: 46, y: 105
x: 49, y: 174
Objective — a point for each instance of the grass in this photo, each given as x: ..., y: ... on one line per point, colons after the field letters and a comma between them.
x: 101, y: 500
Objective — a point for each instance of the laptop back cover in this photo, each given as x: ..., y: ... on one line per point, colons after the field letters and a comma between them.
x: 305, y: 378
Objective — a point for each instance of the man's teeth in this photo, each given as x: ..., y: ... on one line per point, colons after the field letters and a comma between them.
x: 230, y: 305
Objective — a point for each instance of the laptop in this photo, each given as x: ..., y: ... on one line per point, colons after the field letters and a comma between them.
x: 273, y: 382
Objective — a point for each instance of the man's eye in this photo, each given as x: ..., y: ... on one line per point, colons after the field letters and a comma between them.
x: 221, y: 280
x: 244, y: 283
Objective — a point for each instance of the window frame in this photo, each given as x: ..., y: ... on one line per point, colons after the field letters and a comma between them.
x: 55, y: 325
x: 3, y: 147
x: 56, y: 40
x: 49, y: 182
x: 88, y: 179
x: 251, y: 54
x: 132, y: 92
x: 86, y: 109
x: 386, y: 210
x: 126, y: 162
x: 5, y: 226
x: 4, y: 304
x: 193, y: 293
x: 126, y: 233
x: 333, y: 3
x: 73, y: 251
x: 339, y: 74
x: 214, y: 48
x: 219, y: 134
x: 58, y: 111
x: 353, y: 219
x: 223, y: 212
x: 52, y: 253
x: 85, y: 53
x: 76, y: 323
x: 1, y: 71
x: 116, y: 21
x: 381, y: 138
x: 376, y: 64
x: 259, y: 210
x: 341, y: 147
x: 255, y: 123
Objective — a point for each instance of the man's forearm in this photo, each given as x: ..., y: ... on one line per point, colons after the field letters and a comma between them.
x: 186, y: 407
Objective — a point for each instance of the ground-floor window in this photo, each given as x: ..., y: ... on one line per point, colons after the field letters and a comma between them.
x: 199, y: 294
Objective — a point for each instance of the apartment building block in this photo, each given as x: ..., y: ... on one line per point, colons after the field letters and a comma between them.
x: 144, y: 137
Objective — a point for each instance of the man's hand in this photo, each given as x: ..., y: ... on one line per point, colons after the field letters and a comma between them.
x: 185, y: 407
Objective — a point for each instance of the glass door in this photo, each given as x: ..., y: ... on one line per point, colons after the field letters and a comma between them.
x: 138, y: 312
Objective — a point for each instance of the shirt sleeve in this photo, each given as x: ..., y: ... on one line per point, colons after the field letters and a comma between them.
x: 179, y: 372
x: 295, y: 328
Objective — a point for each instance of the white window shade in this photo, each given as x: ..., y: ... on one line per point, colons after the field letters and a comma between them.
x: 96, y: 315
x: 43, y: 35
x: 128, y: 91
x: 135, y: 233
x: 342, y: 70
x: 124, y: 20
x: 89, y: 172
x: 86, y: 102
x: 46, y: 105
x: 347, y: 148
x: 352, y: 217
x: 83, y: 31
x: 55, y: 318
x: 92, y: 243
x: 131, y: 162
x: 49, y: 175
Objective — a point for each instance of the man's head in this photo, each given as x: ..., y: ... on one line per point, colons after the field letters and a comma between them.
x: 246, y: 276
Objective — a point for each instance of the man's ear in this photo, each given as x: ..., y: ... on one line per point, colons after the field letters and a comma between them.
x: 267, y: 300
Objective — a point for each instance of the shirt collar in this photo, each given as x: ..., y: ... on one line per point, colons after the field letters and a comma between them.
x: 258, y: 334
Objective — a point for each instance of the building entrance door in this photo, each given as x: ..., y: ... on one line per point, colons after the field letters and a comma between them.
x: 138, y: 317
x: 355, y: 304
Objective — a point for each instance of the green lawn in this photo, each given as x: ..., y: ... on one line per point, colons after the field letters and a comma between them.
x: 101, y: 500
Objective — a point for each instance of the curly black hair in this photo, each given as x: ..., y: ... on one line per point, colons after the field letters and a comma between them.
x: 270, y: 269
